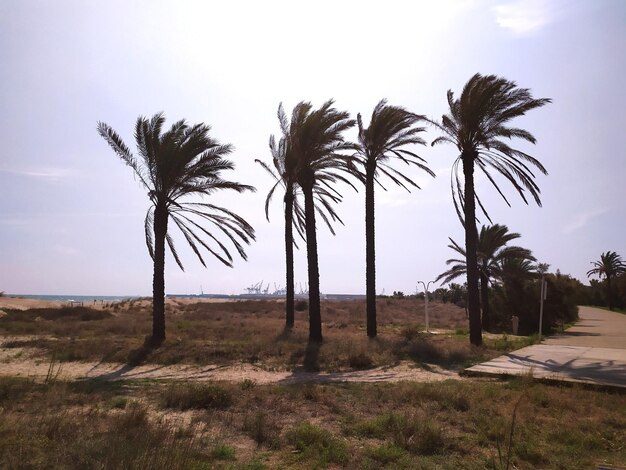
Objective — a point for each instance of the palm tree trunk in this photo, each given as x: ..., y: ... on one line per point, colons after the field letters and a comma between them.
x: 315, y: 317
x: 289, y: 303
x: 158, y: 279
x: 484, y: 301
x: 471, y: 245
x: 608, y: 284
x: 370, y: 253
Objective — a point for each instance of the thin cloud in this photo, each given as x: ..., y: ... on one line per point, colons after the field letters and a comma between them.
x: 524, y: 16
x: 582, y: 219
x: 51, y: 174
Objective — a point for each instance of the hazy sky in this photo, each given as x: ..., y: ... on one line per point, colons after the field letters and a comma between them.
x: 71, y: 213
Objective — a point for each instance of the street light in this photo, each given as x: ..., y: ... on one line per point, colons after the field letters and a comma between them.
x: 542, y: 268
x: 426, y: 300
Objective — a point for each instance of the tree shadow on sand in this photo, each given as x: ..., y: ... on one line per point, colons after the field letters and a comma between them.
x: 138, y: 356
x: 311, y: 357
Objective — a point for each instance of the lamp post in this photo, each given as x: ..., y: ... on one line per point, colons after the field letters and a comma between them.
x: 542, y: 268
x: 426, y: 285
x: 544, y: 294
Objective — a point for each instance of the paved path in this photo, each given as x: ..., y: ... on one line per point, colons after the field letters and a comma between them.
x: 592, y: 351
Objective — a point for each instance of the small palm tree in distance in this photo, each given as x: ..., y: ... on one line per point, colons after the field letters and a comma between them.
x: 608, y: 266
x: 491, y: 251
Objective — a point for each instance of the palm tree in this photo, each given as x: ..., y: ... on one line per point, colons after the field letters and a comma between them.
x: 284, y: 173
x: 514, y: 272
x: 315, y: 138
x: 491, y: 252
x: 476, y: 125
x: 391, y: 129
x: 181, y: 162
x: 610, y: 265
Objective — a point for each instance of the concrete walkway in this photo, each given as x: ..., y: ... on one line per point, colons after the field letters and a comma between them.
x: 593, y: 351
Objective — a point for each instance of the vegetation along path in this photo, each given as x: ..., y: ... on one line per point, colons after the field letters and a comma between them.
x: 592, y: 351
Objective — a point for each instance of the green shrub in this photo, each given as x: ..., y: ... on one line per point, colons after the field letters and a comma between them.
x: 223, y: 452
x: 317, y: 444
x: 386, y: 453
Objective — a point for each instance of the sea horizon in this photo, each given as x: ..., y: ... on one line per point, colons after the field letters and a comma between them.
x: 119, y: 298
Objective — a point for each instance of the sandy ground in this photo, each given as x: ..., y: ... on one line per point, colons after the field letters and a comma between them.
x: 20, y: 303
x: 17, y: 362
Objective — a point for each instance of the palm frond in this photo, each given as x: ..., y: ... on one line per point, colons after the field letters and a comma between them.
x: 183, y: 161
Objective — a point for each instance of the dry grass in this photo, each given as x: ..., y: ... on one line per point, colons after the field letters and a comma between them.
x: 447, y: 425
x: 250, y: 331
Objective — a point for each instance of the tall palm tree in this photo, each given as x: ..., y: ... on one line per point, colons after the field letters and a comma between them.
x: 284, y: 172
x: 609, y: 266
x: 477, y: 124
x: 285, y: 175
x: 181, y: 162
x: 391, y: 130
x: 315, y: 138
x: 491, y: 252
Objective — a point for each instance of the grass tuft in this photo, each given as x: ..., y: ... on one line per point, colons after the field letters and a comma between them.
x: 196, y: 396
x: 318, y: 445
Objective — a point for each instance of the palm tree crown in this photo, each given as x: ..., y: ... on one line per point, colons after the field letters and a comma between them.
x: 391, y: 130
x: 174, y: 165
x: 492, y: 250
x: 477, y: 124
x: 609, y: 266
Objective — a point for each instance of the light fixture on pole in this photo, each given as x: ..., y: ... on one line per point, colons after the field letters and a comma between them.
x: 426, y: 285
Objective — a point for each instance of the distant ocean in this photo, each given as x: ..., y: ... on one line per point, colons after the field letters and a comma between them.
x: 76, y: 298
x: 118, y: 298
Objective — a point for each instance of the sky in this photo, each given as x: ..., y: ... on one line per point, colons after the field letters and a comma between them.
x: 71, y: 213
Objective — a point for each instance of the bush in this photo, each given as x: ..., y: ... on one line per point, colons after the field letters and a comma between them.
x: 386, y: 453
x: 319, y: 444
x: 223, y: 452
x: 522, y: 300
x: 301, y: 305
x: 196, y: 396
x: 360, y: 361
x: 54, y: 314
